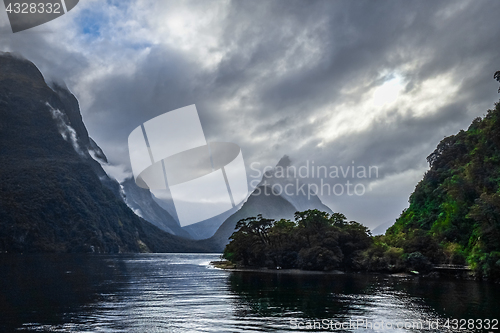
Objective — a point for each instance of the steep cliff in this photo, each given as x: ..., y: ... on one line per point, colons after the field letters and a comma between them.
x: 54, y: 197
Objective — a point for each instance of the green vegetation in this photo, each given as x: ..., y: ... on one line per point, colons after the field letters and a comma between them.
x: 453, y: 218
x: 322, y: 242
x: 454, y: 212
x: 314, y: 241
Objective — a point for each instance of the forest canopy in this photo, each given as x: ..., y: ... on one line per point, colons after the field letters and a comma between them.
x: 315, y: 240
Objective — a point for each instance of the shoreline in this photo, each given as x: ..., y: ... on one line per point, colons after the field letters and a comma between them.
x: 228, y: 266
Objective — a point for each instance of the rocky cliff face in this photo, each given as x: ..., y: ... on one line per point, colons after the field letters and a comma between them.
x: 54, y: 196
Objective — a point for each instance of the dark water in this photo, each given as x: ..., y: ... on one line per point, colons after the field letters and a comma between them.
x: 182, y: 293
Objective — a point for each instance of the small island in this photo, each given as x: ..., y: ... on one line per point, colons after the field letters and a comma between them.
x: 320, y: 243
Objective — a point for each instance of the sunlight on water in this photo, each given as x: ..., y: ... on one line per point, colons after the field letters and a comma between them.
x: 182, y: 293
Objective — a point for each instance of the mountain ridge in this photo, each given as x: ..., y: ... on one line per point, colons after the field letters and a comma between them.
x: 52, y: 196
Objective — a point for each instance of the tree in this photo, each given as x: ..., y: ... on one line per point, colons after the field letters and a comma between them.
x: 250, y: 243
x: 311, y: 224
x: 314, y: 241
x: 257, y: 226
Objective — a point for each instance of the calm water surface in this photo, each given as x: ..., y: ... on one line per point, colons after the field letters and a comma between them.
x: 182, y: 293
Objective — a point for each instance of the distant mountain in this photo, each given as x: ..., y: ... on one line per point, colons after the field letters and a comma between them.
x: 291, y: 188
x: 381, y: 228
x: 271, y: 206
x: 207, y: 228
x: 270, y: 200
x: 54, y: 196
x: 142, y: 203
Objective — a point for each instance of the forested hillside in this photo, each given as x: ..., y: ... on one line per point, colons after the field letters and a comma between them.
x: 454, y: 212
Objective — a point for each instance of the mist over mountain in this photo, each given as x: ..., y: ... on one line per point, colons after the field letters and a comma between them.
x: 54, y: 196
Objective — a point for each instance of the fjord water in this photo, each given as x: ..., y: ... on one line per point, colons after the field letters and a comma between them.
x: 183, y: 293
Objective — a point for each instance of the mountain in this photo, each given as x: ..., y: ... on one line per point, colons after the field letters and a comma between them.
x: 207, y: 228
x: 54, y: 196
x: 283, y: 181
x: 269, y: 206
x: 454, y: 212
x: 141, y: 202
x: 271, y: 201
x: 381, y: 228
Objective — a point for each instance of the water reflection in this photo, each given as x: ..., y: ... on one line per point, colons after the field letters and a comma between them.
x: 454, y: 298
x: 365, y: 299
x: 182, y: 293
x: 314, y: 296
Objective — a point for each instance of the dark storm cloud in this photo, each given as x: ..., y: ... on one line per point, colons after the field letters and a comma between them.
x: 56, y: 62
x: 287, y: 70
x: 163, y: 81
x: 359, y: 41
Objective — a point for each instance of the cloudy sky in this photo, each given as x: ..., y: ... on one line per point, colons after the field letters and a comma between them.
x: 337, y: 83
